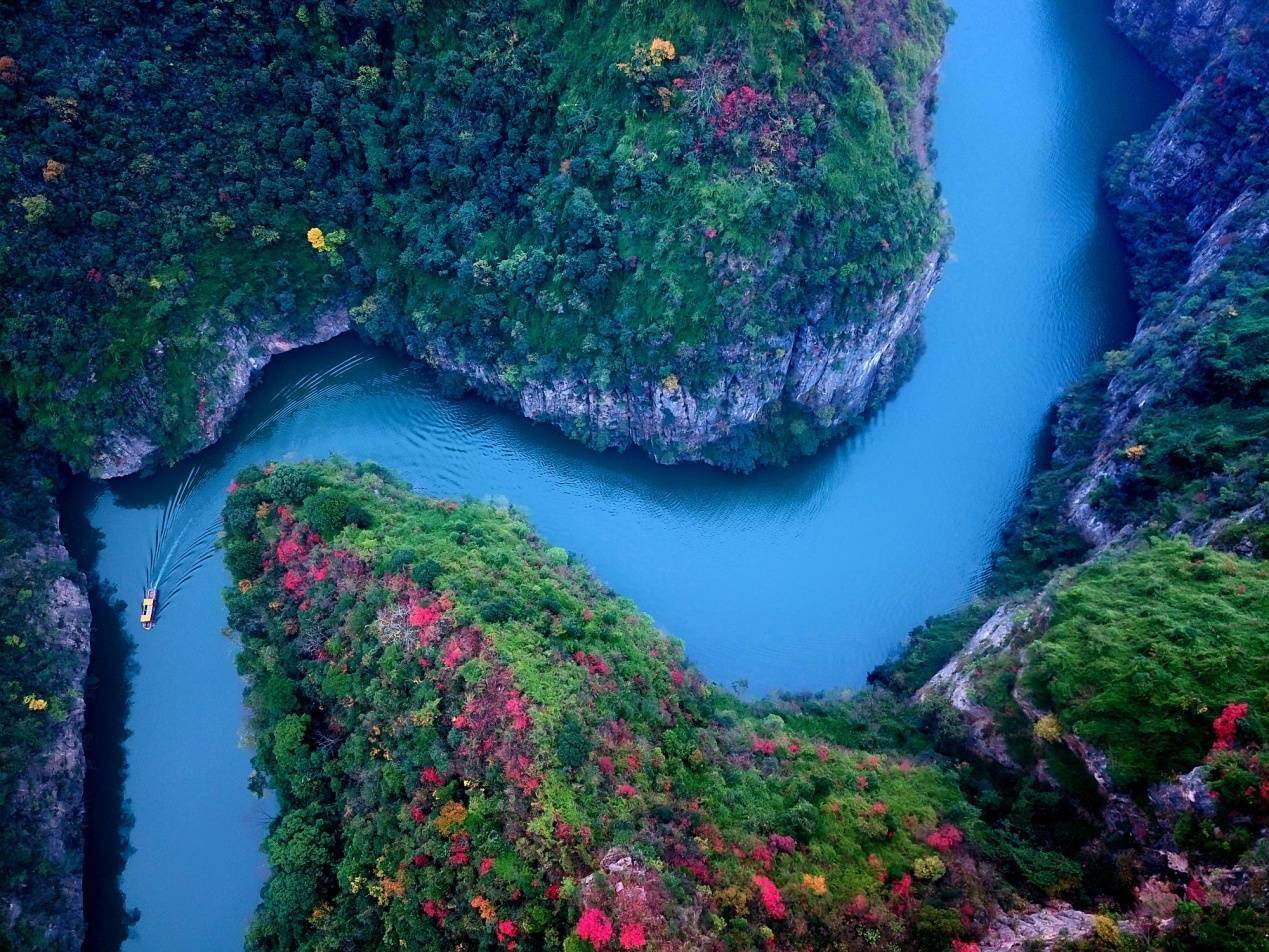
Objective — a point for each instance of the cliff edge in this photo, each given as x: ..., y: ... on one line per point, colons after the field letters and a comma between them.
x: 45, y: 624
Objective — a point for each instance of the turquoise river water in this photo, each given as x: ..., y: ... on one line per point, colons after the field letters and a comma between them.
x: 802, y: 578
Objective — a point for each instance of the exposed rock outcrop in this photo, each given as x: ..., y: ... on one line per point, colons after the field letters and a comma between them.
x: 46, y: 808
x: 830, y: 371
x: 1038, y: 928
x: 1011, y: 624
x: 833, y: 372
x: 1180, y: 36
x: 132, y: 450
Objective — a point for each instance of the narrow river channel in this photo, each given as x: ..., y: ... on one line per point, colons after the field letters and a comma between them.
x: 802, y: 578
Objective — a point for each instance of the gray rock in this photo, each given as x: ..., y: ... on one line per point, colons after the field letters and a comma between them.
x: 833, y: 369
x: 48, y: 800
x: 1179, y: 36
x: 131, y: 450
x: 1037, y: 928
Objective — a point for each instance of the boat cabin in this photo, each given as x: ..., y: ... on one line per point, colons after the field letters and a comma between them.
x: 147, y: 608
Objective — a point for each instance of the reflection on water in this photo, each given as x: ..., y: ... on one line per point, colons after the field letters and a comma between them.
x: 107, y: 819
x: 800, y: 578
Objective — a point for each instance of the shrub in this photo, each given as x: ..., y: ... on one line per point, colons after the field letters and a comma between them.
x: 1145, y: 650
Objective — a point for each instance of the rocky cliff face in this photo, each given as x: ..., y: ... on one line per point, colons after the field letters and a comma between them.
x: 828, y: 373
x: 245, y: 354
x: 830, y: 377
x: 44, y: 907
x: 1194, y: 208
x: 1193, y: 204
x: 1180, y: 36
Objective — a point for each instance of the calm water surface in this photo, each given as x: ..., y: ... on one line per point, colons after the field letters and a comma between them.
x: 802, y: 578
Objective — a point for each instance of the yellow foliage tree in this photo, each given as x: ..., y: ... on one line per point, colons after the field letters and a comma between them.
x: 453, y: 815
x: 660, y: 50
x: 647, y: 58
x: 316, y: 239
x: 1047, y: 729
x: 928, y: 868
x: 485, y: 908
x: 814, y: 884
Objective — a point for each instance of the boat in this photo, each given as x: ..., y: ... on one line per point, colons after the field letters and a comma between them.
x: 148, y: 605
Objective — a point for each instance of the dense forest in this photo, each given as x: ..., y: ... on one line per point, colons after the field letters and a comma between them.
x: 531, y: 189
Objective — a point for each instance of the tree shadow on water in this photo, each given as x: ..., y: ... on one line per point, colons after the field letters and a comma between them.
x: 107, y: 817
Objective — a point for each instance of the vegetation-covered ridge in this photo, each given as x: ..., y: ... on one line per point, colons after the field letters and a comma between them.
x: 1129, y: 696
x: 1171, y: 433
x: 44, y: 633
x: 678, y: 224
x: 473, y: 741
x: 1118, y: 664
x: 1145, y: 650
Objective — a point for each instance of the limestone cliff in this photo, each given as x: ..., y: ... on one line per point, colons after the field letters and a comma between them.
x: 47, y: 624
x: 827, y: 373
x: 245, y: 353
x: 1180, y: 36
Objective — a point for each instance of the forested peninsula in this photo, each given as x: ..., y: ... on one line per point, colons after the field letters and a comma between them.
x: 475, y: 743
x: 705, y: 229
x: 471, y: 739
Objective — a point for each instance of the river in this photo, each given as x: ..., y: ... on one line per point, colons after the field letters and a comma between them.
x: 800, y: 578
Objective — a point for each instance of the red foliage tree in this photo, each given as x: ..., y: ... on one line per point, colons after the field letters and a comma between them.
x: 1226, y: 725
x: 946, y: 837
x: 772, y: 901
x: 633, y: 936
x: 595, y: 927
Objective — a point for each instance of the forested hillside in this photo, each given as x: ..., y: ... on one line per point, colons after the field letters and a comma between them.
x: 607, y: 212
x: 474, y: 742
x: 1118, y: 665
x: 678, y: 225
